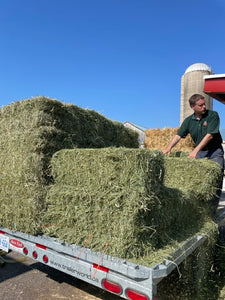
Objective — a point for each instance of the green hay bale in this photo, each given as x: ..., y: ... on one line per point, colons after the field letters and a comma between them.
x: 31, y: 132
x: 198, y: 179
x: 118, y: 196
x: 104, y: 192
x: 188, y: 198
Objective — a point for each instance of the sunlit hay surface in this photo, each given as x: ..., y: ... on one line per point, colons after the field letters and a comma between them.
x: 31, y: 131
x: 116, y: 197
x: 160, y: 139
x: 198, y: 179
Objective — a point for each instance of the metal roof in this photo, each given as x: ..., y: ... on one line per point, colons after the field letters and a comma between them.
x: 214, y: 86
x: 198, y: 67
x: 137, y: 126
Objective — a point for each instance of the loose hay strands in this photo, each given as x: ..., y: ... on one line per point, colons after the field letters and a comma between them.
x: 197, y: 281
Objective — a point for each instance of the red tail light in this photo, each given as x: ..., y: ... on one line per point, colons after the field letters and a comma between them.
x: 35, y: 255
x: 25, y: 251
x: 101, y: 268
x: 112, y: 287
x: 45, y: 259
x: 133, y: 295
x: 41, y: 246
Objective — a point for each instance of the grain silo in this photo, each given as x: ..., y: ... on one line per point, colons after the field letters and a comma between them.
x: 192, y: 82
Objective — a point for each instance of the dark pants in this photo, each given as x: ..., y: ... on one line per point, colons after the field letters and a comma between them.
x: 215, y: 155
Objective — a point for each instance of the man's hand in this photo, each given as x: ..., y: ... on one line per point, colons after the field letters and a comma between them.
x: 174, y: 141
x: 167, y: 151
x: 193, y: 154
x: 201, y: 145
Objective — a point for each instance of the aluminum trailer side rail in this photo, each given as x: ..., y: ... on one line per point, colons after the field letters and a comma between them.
x: 123, y: 278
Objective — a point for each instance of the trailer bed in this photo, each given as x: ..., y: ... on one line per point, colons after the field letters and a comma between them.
x: 118, y: 276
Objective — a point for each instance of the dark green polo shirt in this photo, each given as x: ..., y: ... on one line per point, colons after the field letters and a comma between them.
x: 209, y: 123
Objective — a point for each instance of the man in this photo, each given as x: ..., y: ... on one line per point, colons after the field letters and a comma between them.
x: 203, y: 126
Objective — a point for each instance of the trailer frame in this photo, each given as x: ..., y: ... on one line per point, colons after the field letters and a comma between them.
x: 118, y: 276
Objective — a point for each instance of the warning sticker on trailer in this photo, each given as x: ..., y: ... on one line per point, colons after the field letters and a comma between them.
x: 4, y: 243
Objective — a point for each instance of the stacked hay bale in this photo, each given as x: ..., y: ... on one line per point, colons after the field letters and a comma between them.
x: 160, y: 139
x: 128, y: 199
x: 31, y: 132
x: 131, y: 200
x: 196, y: 179
x: 107, y: 193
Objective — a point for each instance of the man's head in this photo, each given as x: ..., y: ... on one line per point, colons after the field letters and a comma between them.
x: 194, y: 98
x: 197, y: 103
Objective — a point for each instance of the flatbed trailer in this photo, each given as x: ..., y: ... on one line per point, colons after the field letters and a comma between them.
x: 115, y: 275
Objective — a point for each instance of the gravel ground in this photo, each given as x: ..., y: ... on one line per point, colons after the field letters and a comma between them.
x: 25, y: 279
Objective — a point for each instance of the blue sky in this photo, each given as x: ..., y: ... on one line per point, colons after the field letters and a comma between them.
x: 121, y: 58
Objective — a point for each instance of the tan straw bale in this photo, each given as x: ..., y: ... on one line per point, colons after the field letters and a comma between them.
x: 160, y: 138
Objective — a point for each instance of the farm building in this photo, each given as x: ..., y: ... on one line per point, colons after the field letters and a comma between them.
x: 139, y: 129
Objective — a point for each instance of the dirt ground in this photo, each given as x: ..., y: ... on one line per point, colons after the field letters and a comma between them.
x: 22, y: 278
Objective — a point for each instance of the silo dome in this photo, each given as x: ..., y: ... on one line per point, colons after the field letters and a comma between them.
x: 198, y: 67
x: 192, y: 82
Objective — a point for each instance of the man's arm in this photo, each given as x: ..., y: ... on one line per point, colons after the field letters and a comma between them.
x: 174, y: 141
x: 201, y: 145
